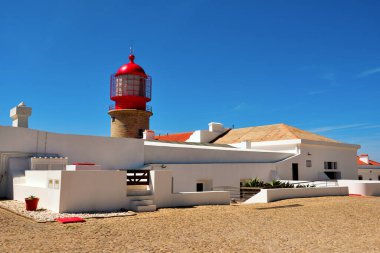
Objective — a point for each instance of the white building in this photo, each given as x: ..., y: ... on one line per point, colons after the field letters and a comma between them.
x: 368, y: 169
x: 32, y: 162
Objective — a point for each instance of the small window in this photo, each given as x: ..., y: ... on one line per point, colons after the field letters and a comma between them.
x: 378, y: 178
x: 370, y: 179
x: 360, y: 177
x: 199, y: 187
x: 331, y: 165
x: 113, y: 119
x: 308, y: 163
x: 141, y: 133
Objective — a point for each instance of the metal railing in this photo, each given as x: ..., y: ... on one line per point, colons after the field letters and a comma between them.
x: 148, y: 108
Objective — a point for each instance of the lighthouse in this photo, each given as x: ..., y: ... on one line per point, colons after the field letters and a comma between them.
x: 131, y: 90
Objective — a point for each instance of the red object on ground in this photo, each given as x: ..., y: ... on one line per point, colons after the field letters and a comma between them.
x: 354, y: 195
x: 84, y: 164
x: 31, y: 204
x: 70, y: 220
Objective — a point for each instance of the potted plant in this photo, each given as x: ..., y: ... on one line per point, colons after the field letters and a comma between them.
x: 31, y: 203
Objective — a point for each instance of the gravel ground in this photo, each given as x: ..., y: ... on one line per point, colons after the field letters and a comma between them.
x: 43, y: 215
x: 327, y: 224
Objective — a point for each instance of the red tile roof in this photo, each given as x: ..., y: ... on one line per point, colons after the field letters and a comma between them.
x: 179, y: 137
x: 370, y: 162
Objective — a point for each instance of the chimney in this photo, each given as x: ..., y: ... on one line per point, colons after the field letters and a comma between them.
x: 364, y: 158
x: 20, y: 115
x: 215, y: 127
x: 148, y: 135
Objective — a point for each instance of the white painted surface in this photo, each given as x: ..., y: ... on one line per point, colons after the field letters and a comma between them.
x: 362, y: 187
x: 164, y: 196
x: 318, y: 153
x: 111, y: 153
x: 160, y: 152
x: 79, y: 191
x: 36, y: 184
x: 83, y: 167
x: 364, y: 158
x: 369, y: 173
x: 269, y: 195
x: 222, y: 176
x: 93, y: 191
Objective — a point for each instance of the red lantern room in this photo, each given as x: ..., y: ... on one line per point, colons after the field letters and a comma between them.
x: 131, y: 87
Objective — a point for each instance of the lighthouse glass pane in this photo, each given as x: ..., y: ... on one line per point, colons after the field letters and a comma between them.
x: 131, y: 85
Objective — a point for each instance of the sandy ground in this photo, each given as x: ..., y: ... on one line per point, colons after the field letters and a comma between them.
x: 328, y: 224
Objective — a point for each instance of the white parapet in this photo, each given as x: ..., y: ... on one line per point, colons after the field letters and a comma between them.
x: 362, y: 187
x: 83, y: 167
x: 270, y: 195
x: 48, y: 163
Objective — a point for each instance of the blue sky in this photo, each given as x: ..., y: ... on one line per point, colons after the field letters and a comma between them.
x: 310, y: 64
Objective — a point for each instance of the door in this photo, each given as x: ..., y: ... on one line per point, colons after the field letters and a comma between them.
x: 295, y: 171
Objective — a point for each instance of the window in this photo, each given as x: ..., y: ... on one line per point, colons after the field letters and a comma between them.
x: 378, y: 178
x: 308, y: 163
x: 199, y: 187
x: 331, y: 165
x: 113, y: 119
x: 360, y: 177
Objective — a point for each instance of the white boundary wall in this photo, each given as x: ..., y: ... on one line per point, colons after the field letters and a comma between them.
x: 362, y: 187
x: 269, y: 195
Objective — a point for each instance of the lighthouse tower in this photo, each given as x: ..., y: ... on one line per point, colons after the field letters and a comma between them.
x: 131, y: 89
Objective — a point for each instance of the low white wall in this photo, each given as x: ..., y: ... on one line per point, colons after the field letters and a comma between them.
x: 201, y: 198
x: 362, y: 187
x: 220, y: 175
x: 269, y: 195
x: 93, y: 191
x: 164, y: 197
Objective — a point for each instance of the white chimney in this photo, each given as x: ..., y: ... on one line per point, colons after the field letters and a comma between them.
x: 20, y: 115
x: 148, y: 135
x: 215, y: 127
x: 364, y: 158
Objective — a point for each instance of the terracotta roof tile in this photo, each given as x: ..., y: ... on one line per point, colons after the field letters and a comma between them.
x: 178, y: 137
x: 269, y: 133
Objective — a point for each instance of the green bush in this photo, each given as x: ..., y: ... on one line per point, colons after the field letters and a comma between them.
x: 254, y: 182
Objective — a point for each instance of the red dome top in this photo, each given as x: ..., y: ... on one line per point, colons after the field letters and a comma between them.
x: 131, y: 68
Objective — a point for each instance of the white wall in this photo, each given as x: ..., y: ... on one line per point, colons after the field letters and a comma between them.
x: 79, y: 191
x: 164, y: 197
x: 36, y: 184
x: 270, y: 195
x: 222, y: 176
x: 93, y: 191
x: 318, y: 154
x: 362, y: 187
x: 112, y: 153
x: 157, y: 152
x: 369, y: 173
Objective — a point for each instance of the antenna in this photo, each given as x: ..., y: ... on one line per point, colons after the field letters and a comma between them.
x: 131, y: 47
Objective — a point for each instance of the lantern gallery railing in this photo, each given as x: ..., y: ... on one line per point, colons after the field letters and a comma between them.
x: 113, y: 107
x: 131, y: 85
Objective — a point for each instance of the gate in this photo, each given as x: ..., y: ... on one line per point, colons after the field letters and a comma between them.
x: 138, y: 177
